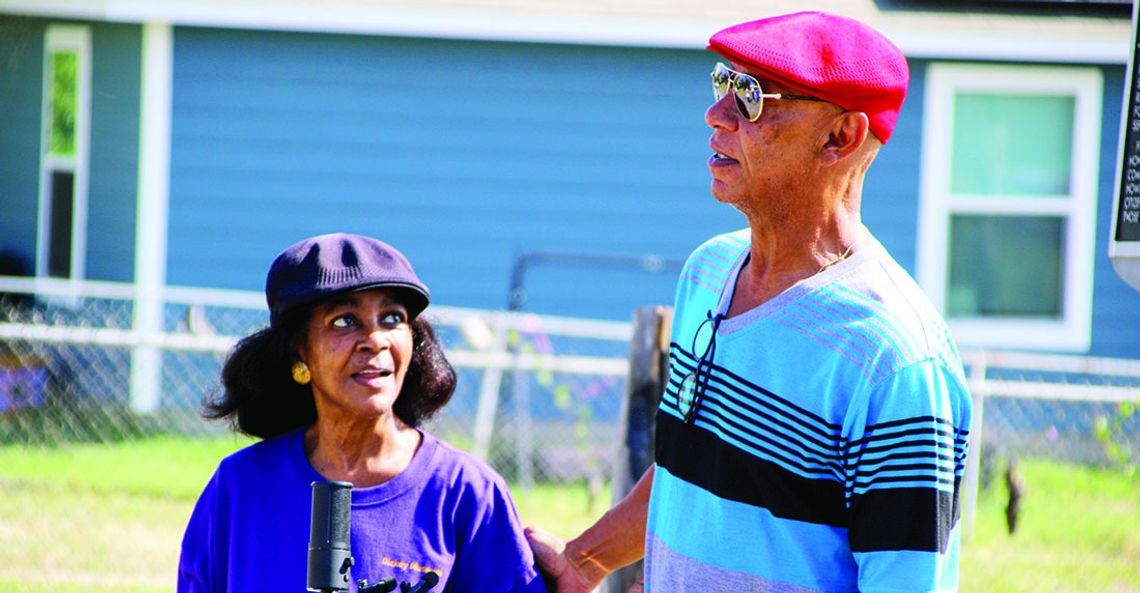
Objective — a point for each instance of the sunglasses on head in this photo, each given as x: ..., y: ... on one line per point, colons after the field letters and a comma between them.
x: 747, y: 92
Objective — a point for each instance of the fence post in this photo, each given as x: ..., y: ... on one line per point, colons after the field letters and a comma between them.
x: 524, y: 423
x: 153, y: 198
x: 970, y: 482
x: 648, y: 372
x: 488, y: 404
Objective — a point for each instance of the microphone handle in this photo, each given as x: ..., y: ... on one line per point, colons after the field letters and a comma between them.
x: 330, y: 556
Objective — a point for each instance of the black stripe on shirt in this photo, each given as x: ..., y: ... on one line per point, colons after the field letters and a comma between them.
x: 687, y: 362
x: 917, y: 519
x: 701, y: 458
x: 881, y: 519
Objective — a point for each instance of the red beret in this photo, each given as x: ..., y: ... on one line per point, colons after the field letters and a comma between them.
x: 835, y: 58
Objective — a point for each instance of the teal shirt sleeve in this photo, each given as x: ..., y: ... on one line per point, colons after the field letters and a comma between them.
x: 905, y: 458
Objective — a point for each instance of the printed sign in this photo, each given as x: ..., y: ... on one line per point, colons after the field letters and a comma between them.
x: 1124, y: 242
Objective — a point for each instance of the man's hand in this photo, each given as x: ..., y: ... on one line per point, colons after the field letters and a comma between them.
x: 550, y: 556
x: 615, y: 540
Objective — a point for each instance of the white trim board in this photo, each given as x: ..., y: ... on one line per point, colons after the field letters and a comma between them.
x: 920, y: 35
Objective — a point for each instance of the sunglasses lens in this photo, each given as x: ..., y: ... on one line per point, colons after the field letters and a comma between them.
x: 687, y: 395
x: 721, y: 79
x: 749, y: 96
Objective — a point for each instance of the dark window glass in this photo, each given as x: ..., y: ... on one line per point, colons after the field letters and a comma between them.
x: 61, y: 208
x: 1006, y: 266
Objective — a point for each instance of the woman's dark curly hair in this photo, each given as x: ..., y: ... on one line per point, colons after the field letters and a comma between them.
x: 260, y: 398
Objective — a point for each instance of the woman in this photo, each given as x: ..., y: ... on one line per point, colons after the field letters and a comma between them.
x: 337, y: 387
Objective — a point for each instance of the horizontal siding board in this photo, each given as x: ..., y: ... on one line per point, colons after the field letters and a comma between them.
x: 491, y: 166
x: 406, y: 133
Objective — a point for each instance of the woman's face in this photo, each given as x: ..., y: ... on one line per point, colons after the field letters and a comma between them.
x: 358, y: 346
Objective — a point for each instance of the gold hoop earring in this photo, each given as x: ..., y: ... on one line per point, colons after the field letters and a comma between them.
x: 301, y: 374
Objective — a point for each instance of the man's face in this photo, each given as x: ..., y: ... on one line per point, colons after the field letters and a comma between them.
x: 757, y: 167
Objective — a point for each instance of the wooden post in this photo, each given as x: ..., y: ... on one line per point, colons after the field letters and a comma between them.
x: 648, y: 373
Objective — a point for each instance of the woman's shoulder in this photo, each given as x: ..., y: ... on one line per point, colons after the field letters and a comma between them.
x: 460, y: 467
x: 262, y: 455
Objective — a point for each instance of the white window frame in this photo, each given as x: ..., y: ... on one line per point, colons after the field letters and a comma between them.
x: 1072, y: 331
x: 78, y: 39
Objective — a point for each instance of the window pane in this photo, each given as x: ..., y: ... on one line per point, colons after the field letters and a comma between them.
x: 62, y: 213
x: 1006, y: 266
x: 64, y: 76
x: 1006, y: 144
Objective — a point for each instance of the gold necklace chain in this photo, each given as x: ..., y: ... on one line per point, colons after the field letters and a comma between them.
x: 842, y: 257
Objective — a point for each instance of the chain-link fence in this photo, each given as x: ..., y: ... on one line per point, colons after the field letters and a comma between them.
x: 1065, y: 408
x: 1068, y: 410
x: 537, y: 397
x: 540, y: 398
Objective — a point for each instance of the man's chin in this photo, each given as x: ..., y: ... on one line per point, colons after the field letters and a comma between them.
x: 723, y: 193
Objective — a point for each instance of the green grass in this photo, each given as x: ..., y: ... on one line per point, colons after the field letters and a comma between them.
x: 1079, y: 532
x: 109, y: 518
x: 100, y: 518
x: 166, y: 467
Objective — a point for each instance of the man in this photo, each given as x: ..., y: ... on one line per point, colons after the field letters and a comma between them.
x: 813, y: 431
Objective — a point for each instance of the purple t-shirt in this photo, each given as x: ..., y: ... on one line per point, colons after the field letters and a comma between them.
x: 447, y: 512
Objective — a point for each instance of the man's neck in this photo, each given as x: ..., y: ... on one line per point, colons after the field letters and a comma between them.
x: 780, y: 256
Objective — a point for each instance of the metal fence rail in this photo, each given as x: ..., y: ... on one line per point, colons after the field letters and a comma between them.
x: 538, y: 397
x: 1051, y: 405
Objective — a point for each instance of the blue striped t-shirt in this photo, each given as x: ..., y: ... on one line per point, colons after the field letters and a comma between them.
x: 828, y: 447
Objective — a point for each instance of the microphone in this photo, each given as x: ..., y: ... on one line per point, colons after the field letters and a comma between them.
x: 330, y: 554
x: 428, y: 581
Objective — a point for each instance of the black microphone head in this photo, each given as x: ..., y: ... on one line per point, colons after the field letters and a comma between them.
x: 429, y: 580
x: 330, y: 554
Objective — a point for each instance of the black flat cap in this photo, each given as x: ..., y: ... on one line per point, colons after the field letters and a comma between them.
x: 319, y: 267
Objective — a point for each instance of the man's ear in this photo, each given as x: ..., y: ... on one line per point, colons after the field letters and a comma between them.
x: 846, y: 134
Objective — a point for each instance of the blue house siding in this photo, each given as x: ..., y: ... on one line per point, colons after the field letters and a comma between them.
x: 890, y: 192
x: 1116, y: 306
x: 113, y: 155
x: 113, y: 184
x: 463, y: 154
x: 21, y: 90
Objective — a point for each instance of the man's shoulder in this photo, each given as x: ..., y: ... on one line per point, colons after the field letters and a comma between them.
x: 730, y: 244
x: 875, y: 302
x: 711, y: 263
